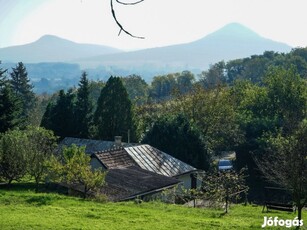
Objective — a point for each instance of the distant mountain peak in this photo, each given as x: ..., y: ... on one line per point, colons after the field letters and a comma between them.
x: 48, y: 38
x: 51, y: 48
x: 234, y: 30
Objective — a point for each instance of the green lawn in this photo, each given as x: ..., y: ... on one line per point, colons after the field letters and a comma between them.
x: 25, y: 209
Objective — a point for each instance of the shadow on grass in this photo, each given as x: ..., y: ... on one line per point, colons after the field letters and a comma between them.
x: 28, y: 186
x: 40, y: 200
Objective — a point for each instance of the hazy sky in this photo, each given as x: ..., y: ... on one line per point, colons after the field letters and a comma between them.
x: 162, y: 22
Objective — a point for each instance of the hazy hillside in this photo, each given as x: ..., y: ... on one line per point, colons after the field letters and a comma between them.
x: 50, y: 48
x: 230, y: 42
x: 64, y: 59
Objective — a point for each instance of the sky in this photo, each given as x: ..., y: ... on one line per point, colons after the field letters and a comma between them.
x: 161, y: 22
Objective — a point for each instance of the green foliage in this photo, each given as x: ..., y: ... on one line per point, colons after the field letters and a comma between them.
x: 95, y: 88
x: 114, y: 114
x: 255, y: 67
x: 25, y: 152
x: 23, y: 89
x: 212, y: 112
x: 287, y: 97
x: 10, y: 109
x: 2, y: 76
x: 283, y: 161
x: 59, y: 117
x: 214, y: 77
x: 83, y: 112
x: 162, y: 87
x: 74, y: 170
x: 222, y: 186
x: 176, y: 136
x: 42, y: 144
x: 185, y: 82
x: 13, y: 155
x: 279, y: 104
x: 136, y: 87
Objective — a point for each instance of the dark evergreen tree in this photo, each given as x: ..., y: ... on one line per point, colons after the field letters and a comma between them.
x: 60, y: 117
x: 177, y: 137
x: 114, y: 116
x: 23, y: 89
x: 10, y: 109
x: 84, y: 108
x: 47, y: 117
x: 2, y: 76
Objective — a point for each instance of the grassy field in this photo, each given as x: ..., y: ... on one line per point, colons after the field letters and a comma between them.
x: 22, y: 208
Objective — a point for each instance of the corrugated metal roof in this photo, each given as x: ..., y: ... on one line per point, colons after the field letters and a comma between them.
x: 154, y: 160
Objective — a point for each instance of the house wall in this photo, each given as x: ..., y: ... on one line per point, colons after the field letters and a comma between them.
x: 186, y: 179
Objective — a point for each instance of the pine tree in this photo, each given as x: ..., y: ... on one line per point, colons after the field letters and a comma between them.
x: 60, y: 117
x: 84, y: 108
x: 10, y: 109
x: 114, y: 116
x: 47, y: 117
x: 23, y: 89
x: 2, y: 76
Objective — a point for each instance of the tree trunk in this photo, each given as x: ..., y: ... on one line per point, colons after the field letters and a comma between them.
x: 9, y: 183
x: 299, y: 212
x: 226, y: 205
x: 85, y: 191
x: 37, y: 184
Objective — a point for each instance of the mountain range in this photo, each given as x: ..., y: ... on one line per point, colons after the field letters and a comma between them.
x: 232, y: 41
x: 50, y: 48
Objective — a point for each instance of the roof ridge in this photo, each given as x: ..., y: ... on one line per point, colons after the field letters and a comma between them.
x: 114, y: 148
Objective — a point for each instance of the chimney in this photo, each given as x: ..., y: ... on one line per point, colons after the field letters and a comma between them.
x: 118, y: 141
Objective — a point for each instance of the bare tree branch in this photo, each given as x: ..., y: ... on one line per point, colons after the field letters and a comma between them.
x: 118, y: 23
x: 132, y: 3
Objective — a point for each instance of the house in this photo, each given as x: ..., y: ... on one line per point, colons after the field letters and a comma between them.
x: 125, y: 179
x: 134, y: 169
x: 154, y: 160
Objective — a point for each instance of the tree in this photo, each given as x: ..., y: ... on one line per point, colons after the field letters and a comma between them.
x: 136, y: 87
x: 83, y: 108
x: 2, y: 77
x: 162, y: 87
x: 114, y: 115
x: 59, y: 117
x: 277, y: 105
x: 185, y: 82
x: 10, y: 109
x: 214, y: 77
x: 73, y: 169
x: 23, y: 89
x: 222, y: 186
x: 46, y: 121
x: 284, y: 162
x: 212, y: 112
x: 176, y: 136
x: 287, y: 97
x: 42, y: 144
x: 13, y: 155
